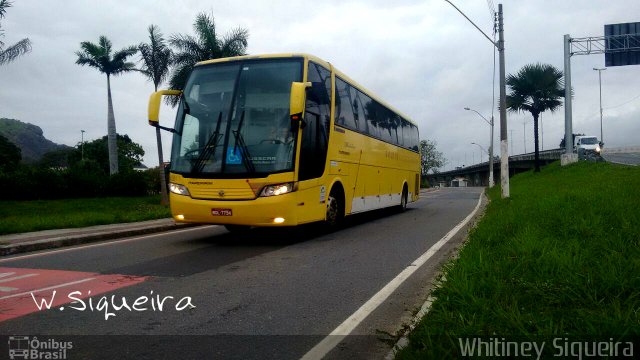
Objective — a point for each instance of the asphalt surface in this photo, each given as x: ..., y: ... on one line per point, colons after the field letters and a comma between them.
x: 266, y: 294
x: 632, y: 158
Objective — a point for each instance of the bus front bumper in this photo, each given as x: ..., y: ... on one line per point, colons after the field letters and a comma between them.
x: 263, y: 211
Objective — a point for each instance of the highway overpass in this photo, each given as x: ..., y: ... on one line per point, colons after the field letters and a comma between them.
x: 478, y: 174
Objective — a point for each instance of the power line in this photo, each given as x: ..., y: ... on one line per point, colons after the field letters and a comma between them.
x: 492, y: 9
x: 624, y: 103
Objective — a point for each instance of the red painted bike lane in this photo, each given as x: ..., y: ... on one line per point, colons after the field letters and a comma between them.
x: 25, y: 291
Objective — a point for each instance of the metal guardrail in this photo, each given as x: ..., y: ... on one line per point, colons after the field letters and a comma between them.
x: 553, y: 154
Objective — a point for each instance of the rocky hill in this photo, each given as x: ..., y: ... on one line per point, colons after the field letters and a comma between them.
x: 29, y: 138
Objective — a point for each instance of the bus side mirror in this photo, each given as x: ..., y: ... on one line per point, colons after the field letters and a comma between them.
x: 297, y: 101
x: 154, y: 105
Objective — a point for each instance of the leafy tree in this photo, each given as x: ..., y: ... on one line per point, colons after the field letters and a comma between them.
x: 58, y: 158
x: 10, y: 53
x: 205, y: 45
x: 100, y: 56
x: 129, y: 153
x: 156, y: 58
x: 10, y: 155
x: 430, y: 158
x: 536, y: 88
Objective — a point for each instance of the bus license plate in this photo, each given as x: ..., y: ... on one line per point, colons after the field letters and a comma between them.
x: 221, y: 212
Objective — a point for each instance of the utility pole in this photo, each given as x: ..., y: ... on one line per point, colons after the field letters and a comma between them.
x: 504, y: 148
x: 82, y: 144
x: 568, y: 123
x: 599, y: 70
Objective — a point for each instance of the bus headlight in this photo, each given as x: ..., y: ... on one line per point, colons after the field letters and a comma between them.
x: 278, y: 189
x: 178, y: 189
x: 598, y: 149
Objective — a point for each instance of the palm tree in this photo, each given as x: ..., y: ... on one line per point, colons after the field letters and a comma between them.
x: 536, y: 88
x: 16, y: 50
x: 156, y: 59
x: 100, y: 56
x: 205, y: 45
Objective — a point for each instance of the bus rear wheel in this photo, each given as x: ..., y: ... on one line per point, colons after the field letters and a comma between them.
x: 403, y: 200
x: 335, y: 209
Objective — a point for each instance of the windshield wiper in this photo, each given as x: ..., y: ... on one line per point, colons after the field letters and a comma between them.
x: 244, y: 151
x: 209, y: 148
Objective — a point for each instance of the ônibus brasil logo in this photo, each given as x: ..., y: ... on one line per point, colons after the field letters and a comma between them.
x: 26, y: 347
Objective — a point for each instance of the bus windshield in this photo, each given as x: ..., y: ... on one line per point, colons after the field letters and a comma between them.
x: 233, y: 120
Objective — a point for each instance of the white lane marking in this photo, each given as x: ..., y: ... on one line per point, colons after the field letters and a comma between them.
x: 102, y: 244
x: 7, y: 288
x: 336, y: 336
x: 17, y: 277
x: 47, y: 288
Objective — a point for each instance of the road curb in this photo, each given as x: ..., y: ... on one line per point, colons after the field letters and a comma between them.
x: 437, y: 281
x: 70, y: 240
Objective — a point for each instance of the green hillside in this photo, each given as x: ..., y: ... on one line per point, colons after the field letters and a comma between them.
x: 29, y: 138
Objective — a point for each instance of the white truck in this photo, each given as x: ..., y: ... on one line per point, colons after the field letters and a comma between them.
x: 587, y: 147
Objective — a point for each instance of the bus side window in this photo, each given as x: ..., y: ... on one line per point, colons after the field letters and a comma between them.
x: 315, y: 135
x: 385, y: 122
x: 400, y: 130
x: 345, y: 114
x: 415, y: 144
x: 370, y: 109
x: 358, y: 112
x: 406, y: 131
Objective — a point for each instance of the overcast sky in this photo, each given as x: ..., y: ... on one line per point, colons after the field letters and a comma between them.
x: 422, y: 57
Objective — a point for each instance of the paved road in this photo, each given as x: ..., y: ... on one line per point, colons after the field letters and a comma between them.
x: 264, y: 295
x: 623, y: 158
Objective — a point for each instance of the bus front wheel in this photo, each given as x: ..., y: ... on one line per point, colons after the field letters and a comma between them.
x: 335, y: 209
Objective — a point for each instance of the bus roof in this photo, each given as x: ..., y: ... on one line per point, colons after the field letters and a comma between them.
x: 316, y: 60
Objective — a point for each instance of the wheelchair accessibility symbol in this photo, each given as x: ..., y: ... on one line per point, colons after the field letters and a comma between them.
x: 233, y: 157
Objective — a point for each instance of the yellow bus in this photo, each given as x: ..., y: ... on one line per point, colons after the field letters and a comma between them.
x: 283, y: 140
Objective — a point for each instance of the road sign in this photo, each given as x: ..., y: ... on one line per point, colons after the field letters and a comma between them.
x: 622, y: 44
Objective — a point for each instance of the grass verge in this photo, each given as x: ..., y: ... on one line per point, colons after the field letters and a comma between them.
x: 560, y: 258
x: 25, y: 216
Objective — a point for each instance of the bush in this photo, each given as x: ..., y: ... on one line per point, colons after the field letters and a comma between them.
x: 127, y: 183
x: 83, y: 179
x: 86, y: 179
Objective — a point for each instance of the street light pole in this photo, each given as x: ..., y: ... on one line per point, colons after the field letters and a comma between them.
x: 504, y: 149
x: 511, y: 137
x: 524, y: 135
x: 599, y: 70
x: 490, y: 145
x: 82, y: 144
x: 481, y: 150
